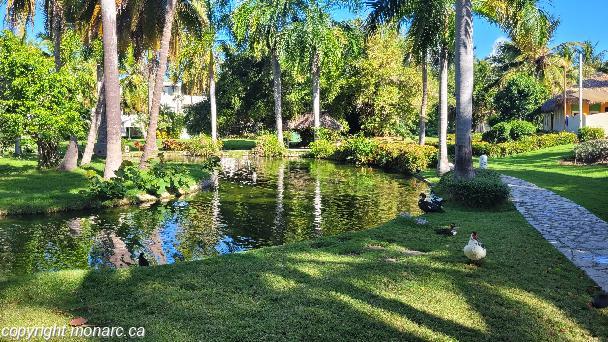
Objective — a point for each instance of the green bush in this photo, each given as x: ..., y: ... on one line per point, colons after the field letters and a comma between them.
x: 521, y: 129
x: 485, y: 190
x: 405, y: 158
x: 322, y: 149
x: 593, y: 151
x: 499, y: 133
x: 526, y: 144
x: 590, y: 133
x: 268, y: 145
x: 104, y: 190
x: 359, y: 150
x: 203, y: 146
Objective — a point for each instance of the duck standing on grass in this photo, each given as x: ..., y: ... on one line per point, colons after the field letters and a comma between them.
x: 474, y: 250
x: 432, y: 206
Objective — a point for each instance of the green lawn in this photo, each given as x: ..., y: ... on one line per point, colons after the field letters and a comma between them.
x: 238, y: 144
x: 24, y: 189
x: 586, y: 185
x: 356, y: 286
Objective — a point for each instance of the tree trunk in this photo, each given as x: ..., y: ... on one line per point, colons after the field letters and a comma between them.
x: 150, y: 145
x: 18, y: 151
x: 70, y: 159
x: 96, y: 115
x: 424, y: 104
x: 212, y: 96
x: 276, y: 75
x: 48, y: 154
x: 565, y: 95
x: 443, y: 161
x: 112, y: 88
x: 464, y: 89
x: 316, y: 91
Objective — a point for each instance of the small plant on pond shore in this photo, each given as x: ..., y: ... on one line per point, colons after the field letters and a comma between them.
x: 203, y: 146
x: 485, y: 190
x: 268, y: 145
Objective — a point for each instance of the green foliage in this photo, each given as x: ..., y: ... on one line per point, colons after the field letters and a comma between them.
x: 592, y: 151
x: 526, y: 144
x: 509, y: 130
x: 37, y: 101
x: 174, y: 145
x: 485, y: 190
x: 170, y: 123
x: 203, y: 146
x: 391, y: 155
x: 501, y: 132
x: 520, y: 98
x: 104, y: 190
x: 268, y: 145
x: 590, y: 133
x: 521, y: 129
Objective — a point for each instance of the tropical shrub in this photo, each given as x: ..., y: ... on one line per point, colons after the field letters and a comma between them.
x: 174, y: 145
x: 405, y: 158
x: 359, y: 150
x: 501, y: 132
x: 590, y: 133
x: 322, y: 149
x: 526, y: 144
x: 593, y: 151
x: 520, y: 98
x: 521, y: 129
x: 104, y: 190
x: 203, y: 146
x: 268, y: 145
x: 485, y: 190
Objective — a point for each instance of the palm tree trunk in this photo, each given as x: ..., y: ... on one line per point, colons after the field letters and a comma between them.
x: 443, y: 162
x: 95, y: 122
x: 565, y: 94
x: 464, y: 89
x: 316, y: 91
x: 18, y: 151
x: 276, y: 75
x: 150, y: 145
x: 424, y: 104
x: 112, y: 88
x: 212, y: 96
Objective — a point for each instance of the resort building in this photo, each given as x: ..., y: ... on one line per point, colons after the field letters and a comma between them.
x: 172, y: 98
x: 560, y: 117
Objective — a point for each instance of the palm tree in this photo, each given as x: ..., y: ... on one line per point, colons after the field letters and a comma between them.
x: 315, y: 42
x: 112, y: 87
x: 150, y: 145
x: 262, y: 24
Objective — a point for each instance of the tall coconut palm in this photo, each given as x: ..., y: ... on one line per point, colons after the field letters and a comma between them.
x: 262, y: 24
x: 112, y: 88
x: 150, y: 145
x: 315, y: 42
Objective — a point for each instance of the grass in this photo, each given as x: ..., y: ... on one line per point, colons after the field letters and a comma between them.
x: 238, y: 144
x: 358, y: 286
x: 586, y: 185
x: 24, y: 189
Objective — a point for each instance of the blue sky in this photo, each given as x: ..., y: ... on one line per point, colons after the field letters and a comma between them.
x: 580, y: 20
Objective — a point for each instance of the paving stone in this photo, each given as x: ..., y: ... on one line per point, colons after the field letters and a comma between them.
x: 573, y: 230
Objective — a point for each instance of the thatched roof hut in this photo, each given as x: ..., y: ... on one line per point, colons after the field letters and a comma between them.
x: 307, y: 120
x: 595, y: 90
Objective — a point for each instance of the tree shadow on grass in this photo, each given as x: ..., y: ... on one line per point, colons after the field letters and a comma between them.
x: 340, y: 288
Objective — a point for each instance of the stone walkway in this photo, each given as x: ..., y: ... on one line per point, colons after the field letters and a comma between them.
x: 581, y: 236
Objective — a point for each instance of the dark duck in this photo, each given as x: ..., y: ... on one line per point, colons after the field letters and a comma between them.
x: 434, y: 205
x: 600, y: 301
x: 449, y: 231
x: 142, y: 260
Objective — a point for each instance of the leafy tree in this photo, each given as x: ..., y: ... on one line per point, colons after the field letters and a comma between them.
x: 37, y: 101
x: 520, y: 99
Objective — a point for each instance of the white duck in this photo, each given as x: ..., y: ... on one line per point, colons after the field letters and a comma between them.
x: 474, y: 250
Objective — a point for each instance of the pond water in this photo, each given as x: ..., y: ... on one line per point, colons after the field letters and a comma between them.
x: 255, y: 203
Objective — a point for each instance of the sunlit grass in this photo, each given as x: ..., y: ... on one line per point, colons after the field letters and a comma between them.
x: 365, y: 285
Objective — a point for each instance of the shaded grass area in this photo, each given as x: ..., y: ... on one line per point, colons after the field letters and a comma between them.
x: 586, y: 185
x: 238, y: 144
x: 24, y: 189
x: 363, y: 285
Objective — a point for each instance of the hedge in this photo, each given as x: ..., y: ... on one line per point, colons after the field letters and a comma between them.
x: 485, y: 190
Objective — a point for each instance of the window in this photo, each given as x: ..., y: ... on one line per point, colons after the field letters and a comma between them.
x: 574, y: 107
x: 595, y: 108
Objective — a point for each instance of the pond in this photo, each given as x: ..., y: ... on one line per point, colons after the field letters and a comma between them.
x: 254, y: 203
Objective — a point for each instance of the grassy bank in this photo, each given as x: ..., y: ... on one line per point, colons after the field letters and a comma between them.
x: 586, y: 185
x: 364, y: 286
x: 24, y: 189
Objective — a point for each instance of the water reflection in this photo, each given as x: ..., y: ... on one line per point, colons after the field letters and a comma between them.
x: 253, y: 203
